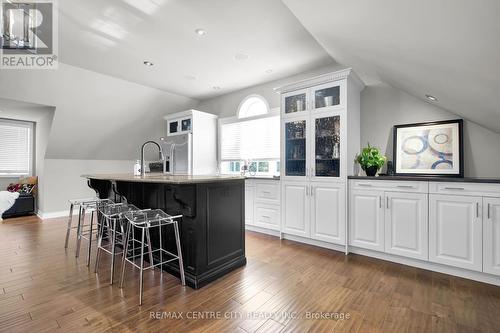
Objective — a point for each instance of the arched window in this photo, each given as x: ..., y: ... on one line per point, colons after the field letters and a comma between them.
x: 253, y: 105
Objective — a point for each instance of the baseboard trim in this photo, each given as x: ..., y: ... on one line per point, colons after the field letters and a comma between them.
x: 314, y: 242
x: 430, y: 266
x: 262, y: 230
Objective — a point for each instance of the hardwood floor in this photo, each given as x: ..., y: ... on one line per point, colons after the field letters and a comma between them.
x: 45, y: 289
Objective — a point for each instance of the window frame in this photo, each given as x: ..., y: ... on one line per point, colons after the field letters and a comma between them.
x: 266, y: 103
x: 274, y: 112
x: 32, y: 127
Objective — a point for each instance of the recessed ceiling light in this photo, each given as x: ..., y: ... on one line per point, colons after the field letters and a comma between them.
x: 148, y: 63
x: 431, y: 98
x: 200, y: 32
x: 269, y: 71
x: 216, y: 88
x: 241, y: 57
x: 190, y: 77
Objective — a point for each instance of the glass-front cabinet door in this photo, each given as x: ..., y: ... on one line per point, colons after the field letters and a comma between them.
x: 327, y: 96
x: 295, y: 102
x: 295, y: 148
x: 326, y: 146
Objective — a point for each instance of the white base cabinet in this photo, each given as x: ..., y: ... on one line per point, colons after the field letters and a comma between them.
x: 314, y: 210
x: 456, y: 231
x: 386, y: 219
x: 366, y: 219
x: 295, y: 208
x: 406, y: 227
x: 328, y: 212
x: 263, y: 203
x: 491, y: 235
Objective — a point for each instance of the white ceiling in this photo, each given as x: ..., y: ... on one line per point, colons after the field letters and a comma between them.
x: 115, y: 37
x: 446, y: 48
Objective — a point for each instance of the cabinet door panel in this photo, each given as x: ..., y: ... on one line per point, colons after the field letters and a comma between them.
x: 491, y: 236
x: 296, y: 208
x: 249, y: 204
x: 366, y: 219
x: 295, y: 149
x: 406, y: 225
x: 455, y: 231
x: 328, y: 213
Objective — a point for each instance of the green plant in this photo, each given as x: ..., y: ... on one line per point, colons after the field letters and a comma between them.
x: 370, y: 157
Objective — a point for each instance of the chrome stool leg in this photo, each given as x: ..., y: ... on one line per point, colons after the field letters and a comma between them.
x: 70, y: 220
x: 141, y: 278
x: 81, y: 216
x: 125, y: 251
x: 179, y: 253
x: 99, y: 244
x: 89, y: 245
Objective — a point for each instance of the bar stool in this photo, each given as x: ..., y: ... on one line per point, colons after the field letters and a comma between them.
x: 112, y: 223
x: 72, y: 204
x: 82, y: 233
x: 144, y: 221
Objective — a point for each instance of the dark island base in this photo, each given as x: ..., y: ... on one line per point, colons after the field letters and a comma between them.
x: 212, y: 228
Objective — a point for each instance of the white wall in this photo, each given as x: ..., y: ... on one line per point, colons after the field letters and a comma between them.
x: 382, y: 107
x: 97, y: 116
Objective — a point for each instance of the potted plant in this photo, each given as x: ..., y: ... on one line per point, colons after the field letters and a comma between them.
x: 370, y: 160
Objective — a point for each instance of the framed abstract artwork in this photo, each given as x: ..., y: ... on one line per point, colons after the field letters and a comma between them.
x: 429, y: 149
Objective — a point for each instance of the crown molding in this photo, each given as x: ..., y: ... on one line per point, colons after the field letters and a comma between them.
x: 323, y: 78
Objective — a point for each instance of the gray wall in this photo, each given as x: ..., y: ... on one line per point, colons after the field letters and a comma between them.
x: 98, y: 126
x: 382, y: 107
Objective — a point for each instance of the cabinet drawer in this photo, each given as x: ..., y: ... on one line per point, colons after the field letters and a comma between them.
x: 471, y: 189
x: 267, y: 191
x: 390, y: 185
x: 267, y: 216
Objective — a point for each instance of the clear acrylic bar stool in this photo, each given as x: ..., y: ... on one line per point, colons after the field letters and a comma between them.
x: 82, y: 205
x: 143, y: 222
x: 87, y: 231
x: 111, y: 232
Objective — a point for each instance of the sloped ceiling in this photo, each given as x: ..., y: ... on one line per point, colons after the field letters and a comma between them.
x: 244, y: 40
x: 446, y: 48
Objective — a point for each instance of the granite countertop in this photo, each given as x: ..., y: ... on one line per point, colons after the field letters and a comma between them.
x: 163, y: 178
x: 263, y: 177
x: 431, y: 179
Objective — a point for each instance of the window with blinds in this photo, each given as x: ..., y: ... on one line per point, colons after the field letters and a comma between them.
x: 16, y: 147
x: 257, y: 139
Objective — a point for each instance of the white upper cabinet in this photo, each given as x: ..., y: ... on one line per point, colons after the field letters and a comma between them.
x: 455, y: 230
x: 328, y: 96
x: 406, y: 224
x: 328, y: 212
x: 366, y: 219
x: 491, y: 235
x: 295, y: 149
x: 320, y: 127
x: 295, y: 103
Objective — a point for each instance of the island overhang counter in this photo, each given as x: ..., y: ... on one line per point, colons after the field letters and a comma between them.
x: 212, y: 227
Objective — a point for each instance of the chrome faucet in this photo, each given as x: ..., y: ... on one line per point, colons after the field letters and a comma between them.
x: 143, y: 169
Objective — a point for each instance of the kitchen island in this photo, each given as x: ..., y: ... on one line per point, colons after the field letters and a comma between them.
x: 213, y: 224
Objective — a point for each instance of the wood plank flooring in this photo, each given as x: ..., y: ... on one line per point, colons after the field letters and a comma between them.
x: 44, y: 288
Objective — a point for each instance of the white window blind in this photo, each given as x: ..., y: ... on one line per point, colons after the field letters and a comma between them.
x: 16, y: 147
x: 251, y: 139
